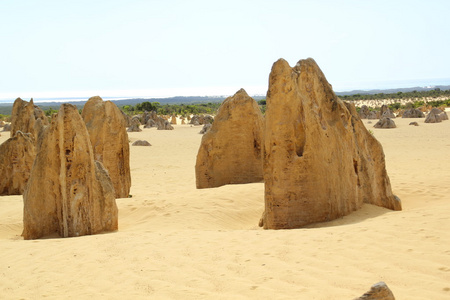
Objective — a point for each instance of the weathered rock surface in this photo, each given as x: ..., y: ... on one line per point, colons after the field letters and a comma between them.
x: 16, y: 159
x: 443, y: 115
x: 68, y: 193
x: 109, y: 140
x: 162, y: 124
x: 414, y: 123
x: 173, y: 120
x: 150, y: 123
x: 378, y: 291
x: 141, y: 143
x: 24, y: 116
x: 364, y: 112
x: 205, y: 128
x: 127, y: 119
x: 7, y: 127
x: 385, y: 122
x: 201, y: 120
x: 230, y: 152
x: 434, y: 116
x: 320, y: 162
x: 135, y: 125
x: 388, y: 114
x: 413, y: 113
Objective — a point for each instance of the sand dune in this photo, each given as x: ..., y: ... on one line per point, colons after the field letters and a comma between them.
x: 177, y: 242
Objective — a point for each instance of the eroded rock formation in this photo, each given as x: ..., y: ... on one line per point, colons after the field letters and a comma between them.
x: 24, y: 116
x: 201, y: 119
x: 320, y: 162
x: 16, y: 159
x: 385, y: 122
x: 434, y: 116
x: 413, y: 113
x: 386, y: 113
x: 378, y: 291
x: 205, y: 128
x: 68, y: 193
x: 135, y: 125
x: 141, y: 143
x: 109, y: 139
x: 230, y: 152
x: 443, y: 115
x: 163, y: 124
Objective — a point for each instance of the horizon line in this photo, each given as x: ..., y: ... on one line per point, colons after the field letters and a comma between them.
x: 194, y: 92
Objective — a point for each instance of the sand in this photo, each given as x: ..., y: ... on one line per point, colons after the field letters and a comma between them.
x: 177, y: 242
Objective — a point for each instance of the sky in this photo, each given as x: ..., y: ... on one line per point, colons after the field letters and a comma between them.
x: 134, y: 48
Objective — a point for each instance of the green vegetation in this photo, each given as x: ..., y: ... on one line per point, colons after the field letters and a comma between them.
x: 399, y: 95
x: 169, y: 109
x: 436, y: 103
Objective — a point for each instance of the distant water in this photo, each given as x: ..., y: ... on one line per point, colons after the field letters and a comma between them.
x: 365, y: 86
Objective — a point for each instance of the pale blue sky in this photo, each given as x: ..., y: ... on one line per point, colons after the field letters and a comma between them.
x: 163, y: 48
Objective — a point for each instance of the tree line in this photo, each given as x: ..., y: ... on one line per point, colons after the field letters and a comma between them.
x: 399, y: 95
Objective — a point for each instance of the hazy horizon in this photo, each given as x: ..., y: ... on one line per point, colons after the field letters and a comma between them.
x: 210, y: 92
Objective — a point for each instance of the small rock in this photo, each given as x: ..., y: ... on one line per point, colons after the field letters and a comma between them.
x: 141, y: 143
x: 378, y: 291
x: 414, y: 123
x: 385, y: 123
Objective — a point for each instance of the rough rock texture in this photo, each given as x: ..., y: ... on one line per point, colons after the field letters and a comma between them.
x: 320, y: 162
x: 434, y: 116
x: 126, y: 118
x: 387, y: 114
x: 173, y: 120
x: 109, y: 140
x: 2, y: 124
x: 205, y: 128
x: 385, y: 122
x: 230, y: 152
x: 141, y: 143
x: 68, y: 193
x: 378, y: 291
x: 364, y: 112
x: 24, y: 116
x: 16, y: 159
x: 7, y: 127
x: 135, y: 125
x: 443, y: 115
x: 201, y: 120
x: 413, y: 113
x: 150, y: 123
x: 414, y: 123
x: 163, y: 124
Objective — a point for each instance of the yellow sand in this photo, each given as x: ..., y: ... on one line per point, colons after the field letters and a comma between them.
x: 176, y: 242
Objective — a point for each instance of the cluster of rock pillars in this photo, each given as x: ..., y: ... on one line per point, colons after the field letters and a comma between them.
x: 317, y: 160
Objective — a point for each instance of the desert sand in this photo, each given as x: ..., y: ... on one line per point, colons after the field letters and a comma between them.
x: 177, y: 242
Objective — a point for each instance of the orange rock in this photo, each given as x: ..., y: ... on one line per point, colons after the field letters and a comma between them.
x: 378, y: 291
x: 16, y: 159
x: 25, y: 116
x: 109, y: 139
x: 320, y: 162
x: 230, y: 152
x: 68, y: 193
